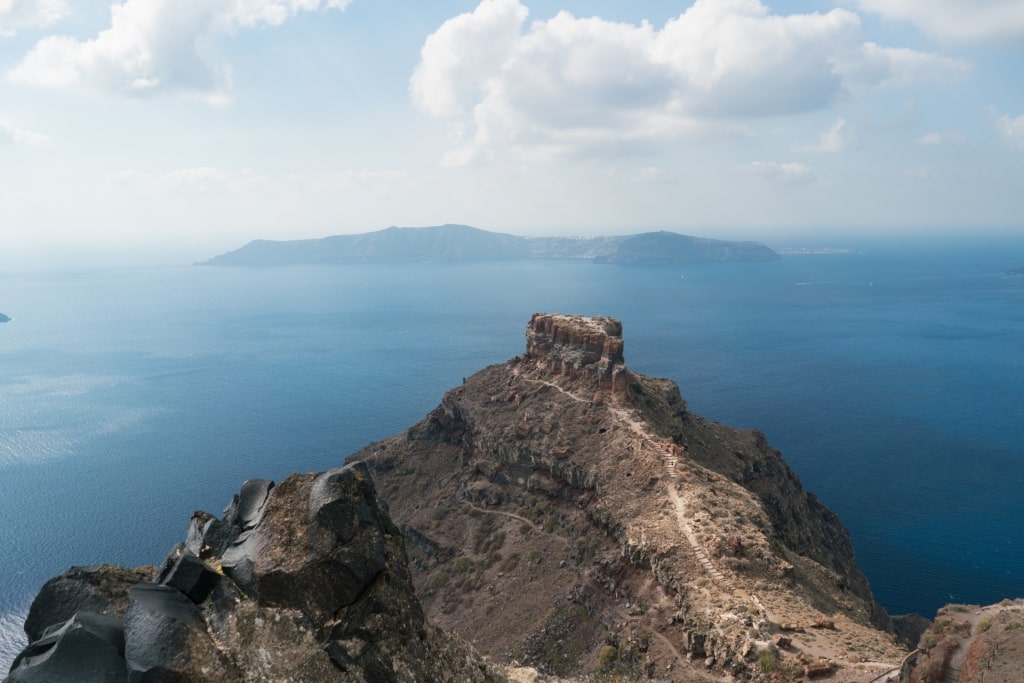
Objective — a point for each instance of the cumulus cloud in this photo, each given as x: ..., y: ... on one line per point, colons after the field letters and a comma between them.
x: 16, y: 15
x: 156, y: 46
x: 1012, y: 130
x: 11, y: 134
x: 956, y: 20
x: 789, y: 173
x: 569, y: 85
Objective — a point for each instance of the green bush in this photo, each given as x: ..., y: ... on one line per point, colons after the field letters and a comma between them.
x: 768, y: 662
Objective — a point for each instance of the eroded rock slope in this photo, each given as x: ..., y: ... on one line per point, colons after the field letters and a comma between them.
x: 567, y: 513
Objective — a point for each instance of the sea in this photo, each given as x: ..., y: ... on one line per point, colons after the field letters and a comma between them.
x: 892, y: 381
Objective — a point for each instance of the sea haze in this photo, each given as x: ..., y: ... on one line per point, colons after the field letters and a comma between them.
x: 890, y: 380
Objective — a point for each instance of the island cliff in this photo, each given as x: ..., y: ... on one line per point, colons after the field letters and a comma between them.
x: 453, y: 243
x: 557, y: 511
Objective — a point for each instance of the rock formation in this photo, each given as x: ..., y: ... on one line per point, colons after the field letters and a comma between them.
x: 579, y: 348
x: 558, y: 505
x: 4, y: 318
x: 304, y: 581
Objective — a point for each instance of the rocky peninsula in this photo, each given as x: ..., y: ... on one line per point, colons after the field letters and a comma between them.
x: 557, y: 517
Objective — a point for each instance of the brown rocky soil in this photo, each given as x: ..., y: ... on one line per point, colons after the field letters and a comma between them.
x: 564, y: 513
x: 972, y: 644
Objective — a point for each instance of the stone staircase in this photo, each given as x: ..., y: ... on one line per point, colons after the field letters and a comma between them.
x: 666, y: 450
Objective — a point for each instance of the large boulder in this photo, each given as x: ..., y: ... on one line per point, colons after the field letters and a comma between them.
x: 102, y: 589
x: 87, y: 648
x: 166, y: 639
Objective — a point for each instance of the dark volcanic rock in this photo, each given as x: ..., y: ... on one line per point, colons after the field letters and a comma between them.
x: 166, y: 639
x: 88, y: 648
x: 320, y: 544
x: 103, y: 589
x: 192, y: 577
x: 316, y: 589
x: 247, y: 506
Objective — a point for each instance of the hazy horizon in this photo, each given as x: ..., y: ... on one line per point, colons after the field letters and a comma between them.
x: 126, y: 131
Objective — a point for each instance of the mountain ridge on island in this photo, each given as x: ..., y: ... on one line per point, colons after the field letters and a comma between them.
x: 462, y: 243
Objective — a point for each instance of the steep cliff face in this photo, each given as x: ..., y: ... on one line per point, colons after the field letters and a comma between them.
x: 558, y: 505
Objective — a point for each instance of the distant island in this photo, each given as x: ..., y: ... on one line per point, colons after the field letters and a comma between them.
x: 788, y: 251
x: 455, y: 243
x: 4, y: 318
x: 1016, y: 271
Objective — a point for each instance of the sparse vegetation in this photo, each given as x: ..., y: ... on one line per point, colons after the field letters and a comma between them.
x: 607, y: 656
x: 767, y: 662
x: 510, y: 562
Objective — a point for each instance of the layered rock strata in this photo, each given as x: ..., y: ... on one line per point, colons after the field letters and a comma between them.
x: 579, y: 348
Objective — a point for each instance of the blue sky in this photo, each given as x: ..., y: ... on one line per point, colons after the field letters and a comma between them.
x: 194, y: 126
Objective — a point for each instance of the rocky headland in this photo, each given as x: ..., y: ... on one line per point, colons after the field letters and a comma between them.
x: 461, y: 243
x: 557, y: 515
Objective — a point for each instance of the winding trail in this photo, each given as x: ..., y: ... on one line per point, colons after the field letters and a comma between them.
x: 505, y: 514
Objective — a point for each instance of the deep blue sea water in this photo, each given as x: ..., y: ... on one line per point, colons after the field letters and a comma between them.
x: 892, y: 381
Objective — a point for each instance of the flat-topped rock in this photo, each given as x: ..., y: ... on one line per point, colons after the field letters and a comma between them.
x: 578, y: 347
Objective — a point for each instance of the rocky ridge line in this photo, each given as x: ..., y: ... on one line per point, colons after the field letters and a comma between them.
x: 682, y: 544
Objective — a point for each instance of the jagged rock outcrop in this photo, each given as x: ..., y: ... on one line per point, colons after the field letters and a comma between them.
x: 302, y: 581
x: 559, y: 504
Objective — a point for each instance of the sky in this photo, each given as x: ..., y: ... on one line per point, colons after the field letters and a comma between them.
x: 193, y: 126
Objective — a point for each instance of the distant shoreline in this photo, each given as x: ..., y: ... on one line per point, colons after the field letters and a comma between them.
x: 789, y: 251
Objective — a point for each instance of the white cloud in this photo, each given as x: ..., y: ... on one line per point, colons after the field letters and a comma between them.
x: 571, y: 85
x: 936, y: 138
x: 790, y: 172
x: 11, y: 134
x: 16, y: 15
x: 1012, y: 130
x: 835, y: 139
x: 956, y: 20
x: 153, y: 46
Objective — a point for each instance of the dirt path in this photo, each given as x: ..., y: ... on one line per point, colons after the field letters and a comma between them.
x: 513, y: 516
